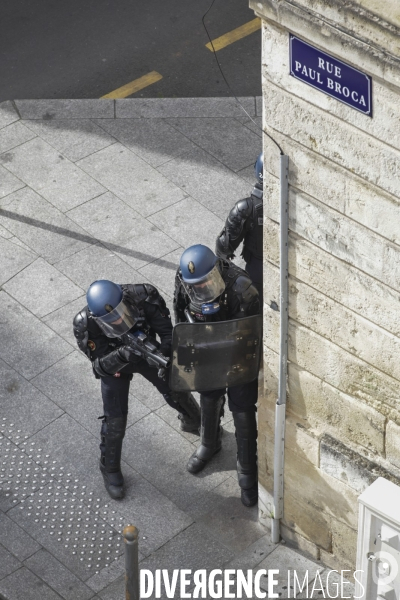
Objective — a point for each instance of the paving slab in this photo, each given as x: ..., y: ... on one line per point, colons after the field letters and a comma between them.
x: 74, y: 139
x: 17, y: 242
x: 65, y: 109
x: 8, y: 114
x: 210, y: 182
x: 208, y: 500
x: 134, y: 239
x: 98, y: 262
x: 192, y: 549
x: 12, y: 136
x: 23, y: 405
x: 232, y: 523
x: 188, y: 222
x: 156, y: 516
x: 330, y: 584
x: 27, y: 343
x: 72, y: 386
x: 8, y: 562
x: 109, y: 574
x: 74, y: 534
x: 226, y: 139
x: 147, y: 394
x: 17, y: 541
x: 41, y: 226
x: 114, y: 590
x: 4, y: 233
x: 248, y: 175
x: 131, y: 179
x: 9, y: 183
x: 48, y: 288
x: 253, y: 555
x: 182, y: 107
x: 13, y: 260
x: 80, y: 453
x: 254, y: 125
x: 22, y: 470
x: 15, y: 587
x: 61, y: 579
x: 163, y: 461
x: 286, y: 560
x: 160, y: 272
x: 60, y: 321
x: 170, y: 417
x: 49, y: 173
x: 154, y: 140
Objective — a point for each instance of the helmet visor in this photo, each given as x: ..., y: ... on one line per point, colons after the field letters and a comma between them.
x: 208, y: 289
x: 118, y: 321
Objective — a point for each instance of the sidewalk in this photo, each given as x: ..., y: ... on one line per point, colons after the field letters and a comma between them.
x: 109, y: 189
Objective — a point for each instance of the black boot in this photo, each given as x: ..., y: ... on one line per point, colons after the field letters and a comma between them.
x: 210, y: 433
x: 189, y: 412
x: 112, y: 434
x: 246, y: 438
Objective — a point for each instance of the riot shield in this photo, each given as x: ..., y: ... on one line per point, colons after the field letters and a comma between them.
x: 210, y: 356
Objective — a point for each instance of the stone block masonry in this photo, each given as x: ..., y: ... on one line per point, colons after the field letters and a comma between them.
x: 343, y: 419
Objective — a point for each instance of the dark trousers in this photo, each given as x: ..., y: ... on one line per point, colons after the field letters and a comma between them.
x: 241, y: 398
x: 115, y: 390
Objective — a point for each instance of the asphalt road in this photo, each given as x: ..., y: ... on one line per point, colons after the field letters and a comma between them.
x: 88, y: 48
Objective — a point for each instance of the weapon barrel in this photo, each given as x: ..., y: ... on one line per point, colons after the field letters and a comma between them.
x: 154, y: 355
x: 188, y: 316
x: 162, y: 360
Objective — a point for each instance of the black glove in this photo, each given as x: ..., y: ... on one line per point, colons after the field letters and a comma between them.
x: 128, y: 354
x: 166, y: 349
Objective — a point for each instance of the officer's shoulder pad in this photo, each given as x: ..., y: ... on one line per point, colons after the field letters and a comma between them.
x: 135, y: 292
x: 243, y: 206
x: 152, y: 292
x: 154, y: 296
x: 241, y: 284
x: 81, y: 319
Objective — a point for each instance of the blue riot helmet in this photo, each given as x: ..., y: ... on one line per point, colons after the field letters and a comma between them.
x: 259, y: 167
x: 201, y: 277
x: 113, y: 315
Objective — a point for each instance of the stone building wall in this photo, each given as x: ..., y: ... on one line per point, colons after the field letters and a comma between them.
x: 343, y: 419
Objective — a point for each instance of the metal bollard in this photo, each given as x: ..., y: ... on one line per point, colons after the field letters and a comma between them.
x: 130, y: 534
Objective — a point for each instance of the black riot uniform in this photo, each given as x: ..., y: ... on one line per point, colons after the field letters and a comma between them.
x: 114, y: 362
x: 238, y: 299
x: 245, y: 224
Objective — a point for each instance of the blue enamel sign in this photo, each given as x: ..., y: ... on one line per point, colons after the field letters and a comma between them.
x: 330, y: 75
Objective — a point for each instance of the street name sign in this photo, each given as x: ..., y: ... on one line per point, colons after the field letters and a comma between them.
x: 330, y: 75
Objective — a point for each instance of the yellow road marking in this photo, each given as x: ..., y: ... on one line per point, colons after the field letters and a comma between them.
x: 235, y: 35
x: 134, y: 86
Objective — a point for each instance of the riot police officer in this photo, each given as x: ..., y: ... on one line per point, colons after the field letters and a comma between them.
x: 101, y: 330
x: 209, y: 289
x: 245, y: 224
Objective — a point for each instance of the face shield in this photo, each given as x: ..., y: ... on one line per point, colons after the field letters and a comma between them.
x: 119, y: 320
x: 207, y: 289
